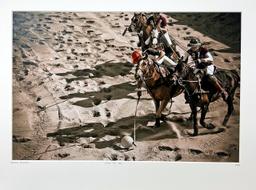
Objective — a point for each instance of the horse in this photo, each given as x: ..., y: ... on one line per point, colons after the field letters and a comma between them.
x: 147, y: 31
x: 139, y: 24
x: 202, y: 93
x: 160, y: 88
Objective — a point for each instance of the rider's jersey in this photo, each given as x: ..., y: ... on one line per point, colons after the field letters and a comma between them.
x: 161, y: 19
x: 199, y: 54
x: 205, y: 57
x: 202, y: 53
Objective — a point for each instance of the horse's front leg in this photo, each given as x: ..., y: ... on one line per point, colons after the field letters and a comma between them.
x: 204, y: 110
x: 194, y: 119
x: 159, y: 112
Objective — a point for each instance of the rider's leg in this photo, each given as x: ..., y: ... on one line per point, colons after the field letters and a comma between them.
x: 167, y: 61
x: 214, y: 81
x: 167, y: 39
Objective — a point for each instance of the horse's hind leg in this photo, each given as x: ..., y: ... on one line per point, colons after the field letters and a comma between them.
x: 230, y: 110
x: 157, y: 104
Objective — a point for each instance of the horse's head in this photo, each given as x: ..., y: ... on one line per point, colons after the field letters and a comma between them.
x: 148, y: 69
x: 137, y: 21
x: 181, y: 69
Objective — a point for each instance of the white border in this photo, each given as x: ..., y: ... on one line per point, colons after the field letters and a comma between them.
x: 128, y: 175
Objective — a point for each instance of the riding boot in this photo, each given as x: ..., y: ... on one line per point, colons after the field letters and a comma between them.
x: 213, y: 80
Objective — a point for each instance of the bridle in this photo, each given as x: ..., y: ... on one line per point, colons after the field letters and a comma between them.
x: 184, y: 82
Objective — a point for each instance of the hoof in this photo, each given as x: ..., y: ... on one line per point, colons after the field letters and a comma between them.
x: 156, y: 126
x: 191, y: 133
x: 224, y: 123
x: 210, y: 126
x: 163, y: 118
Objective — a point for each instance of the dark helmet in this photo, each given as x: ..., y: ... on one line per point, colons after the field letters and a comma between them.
x: 194, y: 42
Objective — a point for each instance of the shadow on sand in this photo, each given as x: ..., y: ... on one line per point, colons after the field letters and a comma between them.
x: 105, y: 69
x: 112, y: 93
x: 223, y: 27
x: 124, y: 126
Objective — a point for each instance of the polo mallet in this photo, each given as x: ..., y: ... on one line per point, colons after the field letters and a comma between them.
x: 134, y: 123
x: 125, y: 30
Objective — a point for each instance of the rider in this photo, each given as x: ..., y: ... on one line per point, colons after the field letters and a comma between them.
x: 204, y: 60
x: 159, y: 23
x: 159, y: 57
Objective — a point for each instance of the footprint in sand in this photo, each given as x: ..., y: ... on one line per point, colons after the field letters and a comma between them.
x: 222, y: 154
x: 90, y: 21
x: 108, y: 114
x: 90, y: 32
x: 178, y: 157
x: 62, y: 155
x: 86, y: 26
x: 226, y: 60
x: 96, y: 114
x: 195, y: 151
x: 165, y: 148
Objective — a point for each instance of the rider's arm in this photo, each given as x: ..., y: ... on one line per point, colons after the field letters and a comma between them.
x: 208, y: 60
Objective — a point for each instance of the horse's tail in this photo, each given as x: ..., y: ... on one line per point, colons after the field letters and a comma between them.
x: 236, y: 74
x: 229, y: 79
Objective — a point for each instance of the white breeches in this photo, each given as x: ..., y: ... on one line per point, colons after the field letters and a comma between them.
x: 210, y: 69
x: 167, y: 61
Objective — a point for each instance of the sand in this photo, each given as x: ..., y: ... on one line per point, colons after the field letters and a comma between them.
x: 74, y: 93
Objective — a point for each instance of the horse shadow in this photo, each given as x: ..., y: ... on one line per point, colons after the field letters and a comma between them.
x: 113, y: 92
x: 116, y: 130
x: 106, y: 69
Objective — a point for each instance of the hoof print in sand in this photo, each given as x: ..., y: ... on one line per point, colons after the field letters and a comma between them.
x: 96, y: 114
x: 178, y: 157
x: 63, y: 155
x: 195, y: 151
x: 222, y: 154
x: 165, y: 148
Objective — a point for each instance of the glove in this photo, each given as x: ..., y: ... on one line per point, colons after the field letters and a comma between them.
x: 139, y: 93
x: 198, y: 61
x: 200, y: 64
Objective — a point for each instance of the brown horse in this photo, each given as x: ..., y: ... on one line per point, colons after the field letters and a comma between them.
x: 201, y: 94
x: 159, y: 88
x: 139, y: 24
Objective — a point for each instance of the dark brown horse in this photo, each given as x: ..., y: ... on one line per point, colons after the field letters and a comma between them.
x: 201, y: 94
x: 159, y: 88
